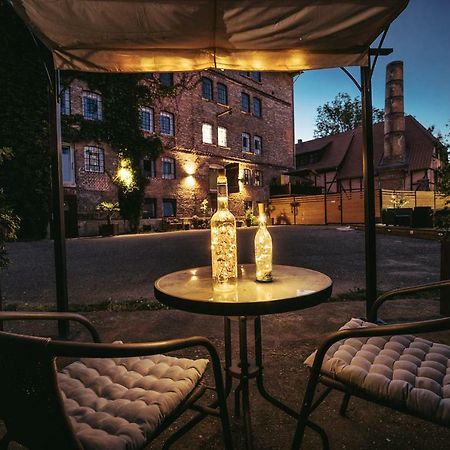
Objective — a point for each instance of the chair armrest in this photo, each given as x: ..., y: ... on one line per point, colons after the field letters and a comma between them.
x: 427, y: 326
x: 19, y: 315
x: 408, y: 290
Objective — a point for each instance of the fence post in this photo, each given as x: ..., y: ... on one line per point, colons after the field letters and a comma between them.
x: 445, y: 275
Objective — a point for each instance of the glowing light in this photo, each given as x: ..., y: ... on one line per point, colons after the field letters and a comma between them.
x: 125, y: 174
x: 190, y: 168
x: 263, y: 249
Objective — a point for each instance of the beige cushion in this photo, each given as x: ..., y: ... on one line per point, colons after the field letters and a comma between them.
x: 405, y: 370
x: 117, y: 404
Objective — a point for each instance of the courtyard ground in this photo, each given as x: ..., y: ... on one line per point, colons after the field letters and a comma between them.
x: 124, y: 268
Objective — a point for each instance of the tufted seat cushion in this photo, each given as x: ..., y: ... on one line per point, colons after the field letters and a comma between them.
x: 406, y: 371
x: 117, y: 403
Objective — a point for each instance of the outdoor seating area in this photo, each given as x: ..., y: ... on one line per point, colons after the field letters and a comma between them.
x: 213, y: 341
x: 288, y: 340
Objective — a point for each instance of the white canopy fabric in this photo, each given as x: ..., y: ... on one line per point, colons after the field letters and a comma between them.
x: 183, y: 35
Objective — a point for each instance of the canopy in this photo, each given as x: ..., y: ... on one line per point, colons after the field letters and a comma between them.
x: 182, y: 35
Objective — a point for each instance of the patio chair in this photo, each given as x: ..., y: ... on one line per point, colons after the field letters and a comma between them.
x: 117, y: 396
x: 385, y: 364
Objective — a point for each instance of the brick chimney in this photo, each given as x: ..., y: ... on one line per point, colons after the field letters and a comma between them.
x: 394, y: 116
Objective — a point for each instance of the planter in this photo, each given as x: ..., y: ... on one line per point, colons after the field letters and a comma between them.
x: 107, y: 229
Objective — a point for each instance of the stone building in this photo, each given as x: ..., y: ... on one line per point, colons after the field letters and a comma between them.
x: 241, y: 121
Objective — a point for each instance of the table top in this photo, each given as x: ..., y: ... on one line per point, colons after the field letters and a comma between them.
x: 292, y: 288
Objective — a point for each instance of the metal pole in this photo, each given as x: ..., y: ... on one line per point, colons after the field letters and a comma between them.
x: 58, y: 228
x: 369, y: 188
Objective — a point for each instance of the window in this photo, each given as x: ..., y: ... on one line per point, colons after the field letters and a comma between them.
x: 146, y: 117
x: 149, y: 167
x: 166, y: 123
x: 149, y: 208
x: 148, y: 75
x: 207, y: 131
x: 248, y: 204
x: 92, y: 106
x: 309, y: 158
x: 222, y: 94
x: 65, y: 101
x: 257, y: 145
x: 245, y: 142
x: 168, y: 168
x: 256, y: 107
x: 169, y: 207
x: 256, y: 76
x: 247, y: 176
x: 166, y: 79
x: 222, y: 137
x: 258, y: 178
x: 94, y: 159
x: 207, y: 88
x: 245, y: 102
x: 68, y: 171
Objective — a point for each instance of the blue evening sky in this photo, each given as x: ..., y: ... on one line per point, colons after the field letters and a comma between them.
x: 420, y: 37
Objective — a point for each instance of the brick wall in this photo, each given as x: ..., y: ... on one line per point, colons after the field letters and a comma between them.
x: 193, y: 158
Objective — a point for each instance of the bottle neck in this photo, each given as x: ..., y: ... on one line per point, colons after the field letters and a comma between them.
x: 262, y: 221
x: 222, y: 203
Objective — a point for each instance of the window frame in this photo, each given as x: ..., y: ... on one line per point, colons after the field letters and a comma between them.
x: 207, y: 81
x: 258, y: 177
x: 163, y: 79
x: 226, y: 137
x: 151, y: 173
x: 172, y: 174
x: 206, y: 125
x: 257, y: 151
x: 150, y: 201
x: 151, y: 112
x: 71, y: 152
x: 258, y: 101
x: 246, y: 135
x: 245, y: 109
x: 90, y: 95
x: 88, y: 167
x: 170, y: 116
x: 247, y: 177
x: 224, y: 89
x: 172, y: 201
x: 65, y: 101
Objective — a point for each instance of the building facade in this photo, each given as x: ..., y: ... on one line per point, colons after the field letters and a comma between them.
x: 241, y: 121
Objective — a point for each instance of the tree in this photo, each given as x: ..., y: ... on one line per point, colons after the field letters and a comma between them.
x: 25, y: 179
x: 341, y: 114
x: 443, y: 173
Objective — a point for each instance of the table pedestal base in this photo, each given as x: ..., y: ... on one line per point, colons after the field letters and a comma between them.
x: 244, y: 370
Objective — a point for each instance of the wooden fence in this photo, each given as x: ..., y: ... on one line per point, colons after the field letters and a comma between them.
x: 344, y: 207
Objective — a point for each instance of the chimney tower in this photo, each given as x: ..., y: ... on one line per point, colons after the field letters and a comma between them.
x: 394, y: 117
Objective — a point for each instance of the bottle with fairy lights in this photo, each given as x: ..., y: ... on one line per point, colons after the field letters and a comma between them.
x: 223, y: 236
x: 263, y: 248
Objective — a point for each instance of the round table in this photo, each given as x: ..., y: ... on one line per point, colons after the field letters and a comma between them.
x: 292, y: 289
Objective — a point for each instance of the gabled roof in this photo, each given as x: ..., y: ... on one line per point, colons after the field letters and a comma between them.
x: 344, y: 150
x: 333, y: 148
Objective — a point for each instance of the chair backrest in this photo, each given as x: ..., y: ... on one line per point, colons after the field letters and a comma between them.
x: 30, y: 401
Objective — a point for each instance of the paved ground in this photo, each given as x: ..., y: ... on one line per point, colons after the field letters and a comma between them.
x: 124, y: 267
x: 287, y: 339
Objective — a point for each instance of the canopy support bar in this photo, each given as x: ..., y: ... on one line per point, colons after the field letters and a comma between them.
x: 369, y: 188
x: 58, y: 226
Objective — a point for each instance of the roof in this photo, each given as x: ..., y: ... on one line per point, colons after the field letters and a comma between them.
x: 344, y: 150
x: 333, y: 148
x: 172, y: 35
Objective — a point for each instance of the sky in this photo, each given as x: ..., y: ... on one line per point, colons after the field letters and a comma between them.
x: 420, y: 37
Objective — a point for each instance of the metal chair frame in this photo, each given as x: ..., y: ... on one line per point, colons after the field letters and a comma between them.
x: 51, y: 349
x: 316, y: 377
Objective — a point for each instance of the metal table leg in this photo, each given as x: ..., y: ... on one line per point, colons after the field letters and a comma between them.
x: 243, y: 370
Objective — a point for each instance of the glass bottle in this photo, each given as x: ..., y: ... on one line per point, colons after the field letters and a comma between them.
x: 223, y: 236
x: 263, y: 248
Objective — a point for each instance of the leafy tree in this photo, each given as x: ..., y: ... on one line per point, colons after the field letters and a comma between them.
x: 443, y: 173
x: 341, y: 114
x: 25, y: 178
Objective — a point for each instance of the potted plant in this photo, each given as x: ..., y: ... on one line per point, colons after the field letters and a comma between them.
x: 109, y: 209
x: 249, y: 217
